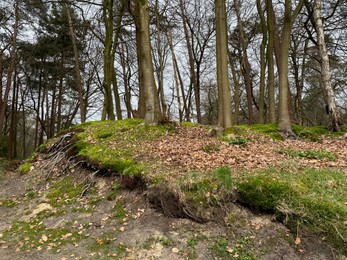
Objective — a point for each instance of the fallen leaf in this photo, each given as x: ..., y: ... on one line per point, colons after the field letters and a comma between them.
x: 297, y: 241
x: 175, y: 250
x: 44, y: 238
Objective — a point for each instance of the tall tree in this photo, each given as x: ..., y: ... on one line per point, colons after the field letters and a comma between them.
x: 79, y: 84
x: 246, y: 67
x: 328, y: 90
x: 224, y: 95
x: 11, y: 69
x: 148, y: 108
x: 284, y: 123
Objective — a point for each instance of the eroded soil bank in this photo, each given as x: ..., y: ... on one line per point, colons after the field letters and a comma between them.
x: 39, y: 219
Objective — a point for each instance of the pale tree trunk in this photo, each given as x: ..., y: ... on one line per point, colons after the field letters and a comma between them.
x: 79, y: 83
x: 261, y: 118
x: 9, y: 79
x: 328, y: 90
x: 224, y: 95
x: 149, y: 108
x: 246, y: 68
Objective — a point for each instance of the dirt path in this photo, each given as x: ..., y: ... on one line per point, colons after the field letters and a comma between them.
x: 111, y: 223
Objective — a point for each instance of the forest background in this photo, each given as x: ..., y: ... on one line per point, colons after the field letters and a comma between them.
x: 65, y: 62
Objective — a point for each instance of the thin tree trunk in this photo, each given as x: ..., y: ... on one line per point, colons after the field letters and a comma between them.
x: 236, y: 81
x: 328, y: 90
x: 193, y: 84
x: 245, y: 65
x: 270, y: 59
x: 224, y: 95
x: 9, y: 78
x: 261, y: 118
x: 127, y: 94
x: 79, y: 84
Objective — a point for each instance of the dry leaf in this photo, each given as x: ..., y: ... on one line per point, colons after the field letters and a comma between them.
x: 175, y: 250
x: 44, y: 238
x: 297, y: 241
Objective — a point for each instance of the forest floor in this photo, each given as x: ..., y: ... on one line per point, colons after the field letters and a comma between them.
x: 51, y: 213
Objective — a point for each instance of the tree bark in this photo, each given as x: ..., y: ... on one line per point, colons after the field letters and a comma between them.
x: 149, y: 108
x: 246, y: 68
x: 9, y: 79
x: 270, y: 59
x: 79, y: 84
x: 284, y: 123
x: 224, y: 95
x: 261, y: 118
x: 328, y: 90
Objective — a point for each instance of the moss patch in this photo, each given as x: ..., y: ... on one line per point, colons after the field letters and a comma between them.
x: 24, y: 168
x: 314, y: 199
x: 64, y: 192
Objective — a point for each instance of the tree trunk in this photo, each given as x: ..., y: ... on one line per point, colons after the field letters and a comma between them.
x: 246, y: 68
x: 284, y: 123
x: 224, y: 96
x: 328, y: 90
x: 261, y: 118
x: 270, y: 59
x: 149, y: 108
x: 108, y: 59
x: 193, y: 83
x: 9, y: 79
x: 79, y: 84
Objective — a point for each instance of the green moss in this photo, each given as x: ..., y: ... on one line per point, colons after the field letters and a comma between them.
x: 313, y: 199
x: 310, y: 154
x: 64, y: 192
x: 111, y: 144
x: 197, y: 189
x: 189, y: 124
x: 24, y: 168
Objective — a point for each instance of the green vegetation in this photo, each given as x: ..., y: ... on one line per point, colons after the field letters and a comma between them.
x: 151, y: 241
x: 9, y: 202
x: 24, y: 168
x: 223, y: 176
x: 110, y: 144
x: 4, y: 164
x: 312, y: 199
x: 242, y: 249
x: 64, y: 192
x: 210, y: 148
x: 119, y: 209
x: 34, y: 236
x: 310, y: 154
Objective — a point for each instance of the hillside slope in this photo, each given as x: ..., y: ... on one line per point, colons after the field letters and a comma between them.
x: 128, y: 190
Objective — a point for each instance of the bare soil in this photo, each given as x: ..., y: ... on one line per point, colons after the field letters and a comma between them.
x: 144, y: 232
